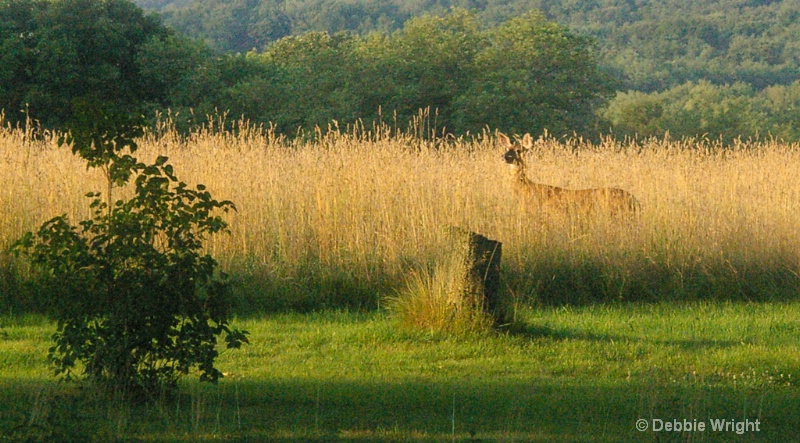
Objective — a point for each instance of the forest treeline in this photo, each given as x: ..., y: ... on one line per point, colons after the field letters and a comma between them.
x: 681, y: 53
x: 652, y: 44
x: 69, y: 61
x: 519, y: 66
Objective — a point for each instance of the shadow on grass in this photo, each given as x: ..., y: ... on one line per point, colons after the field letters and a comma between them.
x: 533, y: 332
x: 557, y: 281
x: 288, y: 410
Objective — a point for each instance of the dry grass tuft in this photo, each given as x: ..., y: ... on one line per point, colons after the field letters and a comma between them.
x: 436, y: 301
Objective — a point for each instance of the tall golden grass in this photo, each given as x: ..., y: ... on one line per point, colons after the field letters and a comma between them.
x: 342, y: 217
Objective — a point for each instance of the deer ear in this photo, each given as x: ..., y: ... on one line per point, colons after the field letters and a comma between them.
x: 504, y: 139
x: 527, y: 141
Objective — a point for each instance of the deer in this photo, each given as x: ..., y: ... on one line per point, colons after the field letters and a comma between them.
x: 553, y: 199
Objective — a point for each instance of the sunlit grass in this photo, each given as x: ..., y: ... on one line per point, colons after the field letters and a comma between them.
x: 565, y: 374
x: 342, y: 219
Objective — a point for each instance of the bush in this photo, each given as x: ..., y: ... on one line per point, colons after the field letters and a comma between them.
x: 136, y: 302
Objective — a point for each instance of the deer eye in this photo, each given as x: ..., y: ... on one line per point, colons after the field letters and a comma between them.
x: 510, y: 156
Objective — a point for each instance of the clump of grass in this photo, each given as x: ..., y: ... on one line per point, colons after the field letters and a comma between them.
x: 439, y: 301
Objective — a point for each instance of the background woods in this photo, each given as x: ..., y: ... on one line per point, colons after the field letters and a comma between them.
x: 721, y: 70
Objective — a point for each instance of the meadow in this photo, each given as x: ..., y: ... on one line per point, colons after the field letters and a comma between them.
x: 338, y: 219
x: 688, y: 311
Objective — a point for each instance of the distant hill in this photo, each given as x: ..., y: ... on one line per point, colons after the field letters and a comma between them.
x: 649, y: 45
x: 659, y: 44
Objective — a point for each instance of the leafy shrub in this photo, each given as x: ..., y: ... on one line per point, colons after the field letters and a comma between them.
x: 136, y: 302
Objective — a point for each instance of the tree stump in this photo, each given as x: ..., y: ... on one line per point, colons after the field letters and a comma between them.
x: 477, y: 266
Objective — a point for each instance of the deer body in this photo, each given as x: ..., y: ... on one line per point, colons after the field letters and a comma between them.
x: 613, y: 201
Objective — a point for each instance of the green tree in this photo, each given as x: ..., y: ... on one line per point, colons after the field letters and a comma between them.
x: 636, y: 114
x: 780, y: 108
x: 266, y: 93
x: 60, y: 55
x: 692, y: 110
x: 193, y: 82
x: 526, y: 75
x: 533, y: 75
x: 315, y: 71
x: 231, y: 25
x: 269, y: 24
x: 427, y: 64
x: 17, y: 53
x: 705, y: 110
x: 176, y: 71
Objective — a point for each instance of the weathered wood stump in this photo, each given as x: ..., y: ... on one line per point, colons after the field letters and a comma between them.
x: 477, y: 266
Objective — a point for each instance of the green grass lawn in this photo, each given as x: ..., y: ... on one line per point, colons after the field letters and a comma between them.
x: 563, y: 374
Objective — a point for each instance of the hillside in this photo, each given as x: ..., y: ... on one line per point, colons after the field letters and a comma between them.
x: 712, y: 70
x: 649, y: 45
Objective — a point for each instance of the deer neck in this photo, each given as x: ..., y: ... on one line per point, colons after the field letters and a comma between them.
x: 521, y: 179
x: 524, y: 185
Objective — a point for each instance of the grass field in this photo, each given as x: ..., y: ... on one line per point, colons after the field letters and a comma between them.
x: 566, y: 374
x: 689, y: 312
x: 341, y: 220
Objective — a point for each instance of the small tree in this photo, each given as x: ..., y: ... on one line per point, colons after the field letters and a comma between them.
x: 135, y: 300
